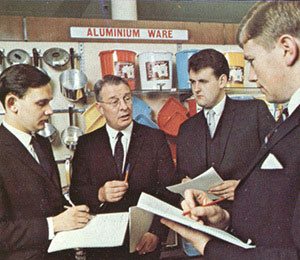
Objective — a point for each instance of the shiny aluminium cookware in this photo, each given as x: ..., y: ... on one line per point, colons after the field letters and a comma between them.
x: 70, y: 135
x: 18, y: 56
x: 49, y: 132
x: 73, y: 82
x: 56, y: 57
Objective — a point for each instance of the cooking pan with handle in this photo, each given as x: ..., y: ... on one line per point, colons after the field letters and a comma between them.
x: 73, y: 82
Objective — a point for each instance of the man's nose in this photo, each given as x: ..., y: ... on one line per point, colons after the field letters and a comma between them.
x: 252, y: 75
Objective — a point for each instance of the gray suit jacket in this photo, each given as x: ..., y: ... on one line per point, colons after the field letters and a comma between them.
x: 240, y: 132
x: 267, y: 204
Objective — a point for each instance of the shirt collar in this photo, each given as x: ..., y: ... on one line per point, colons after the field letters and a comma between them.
x: 112, y: 133
x: 23, y: 137
x: 294, y: 101
x: 217, y: 108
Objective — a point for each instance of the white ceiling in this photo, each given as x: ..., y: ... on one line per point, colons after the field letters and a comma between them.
x: 158, y: 10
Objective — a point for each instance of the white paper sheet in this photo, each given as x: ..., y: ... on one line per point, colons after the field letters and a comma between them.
x: 202, y: 182
x: 104, y: 230
x: 163, y: 209
x: 139, y: 223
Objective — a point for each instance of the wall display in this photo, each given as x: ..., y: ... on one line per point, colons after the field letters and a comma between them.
x: 56, y: 57
x: 237, y: 66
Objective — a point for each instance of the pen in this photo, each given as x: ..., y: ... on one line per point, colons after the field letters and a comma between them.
x: 127, y: 173
x: 206, y: 205
x: 67, y: 197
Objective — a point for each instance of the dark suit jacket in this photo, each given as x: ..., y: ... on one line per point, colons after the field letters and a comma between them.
x: 267, y: 204
x: 151, y: 168
x: 240, y: 132
x: 27, y: 197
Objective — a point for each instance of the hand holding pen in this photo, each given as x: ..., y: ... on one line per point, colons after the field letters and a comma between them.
x: 212, y: 216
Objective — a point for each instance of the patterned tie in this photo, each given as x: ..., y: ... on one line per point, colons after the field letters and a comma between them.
x: 43, y: 160
x: 282, y: 117
x: 211, y: 122
x: 119, y: 154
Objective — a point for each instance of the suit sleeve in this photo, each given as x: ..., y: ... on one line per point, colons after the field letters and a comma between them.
x: 266, y: 121
x: 82, y: 190
x: 217, y: 249
x: 20, y: 234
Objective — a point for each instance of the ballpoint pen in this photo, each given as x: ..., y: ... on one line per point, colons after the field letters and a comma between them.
x: 206, y: 205
x: 127, y: 173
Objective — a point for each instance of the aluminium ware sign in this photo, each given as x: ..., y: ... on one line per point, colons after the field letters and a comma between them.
x: 128, y: 33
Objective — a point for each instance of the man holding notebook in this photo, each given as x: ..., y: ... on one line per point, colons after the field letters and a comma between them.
x: 266, y: 208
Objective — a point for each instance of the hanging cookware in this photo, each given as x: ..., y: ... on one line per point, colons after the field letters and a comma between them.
x: 73, y: 82
x: 92, y: 118
x: 1, y: 61
x: 49, y: 131
x: 56, y: 57
x: 36, y: 58
x: 70, y: 135
x: 18, y: 56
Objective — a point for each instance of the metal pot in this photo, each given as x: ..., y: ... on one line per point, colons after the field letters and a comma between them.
x: 1, y: 62
x: 36, y: 58
x: 18, y: 56
x: 49, y: 131
x: 56, y: 57
x: 73, y: 82
x: 70, y: 135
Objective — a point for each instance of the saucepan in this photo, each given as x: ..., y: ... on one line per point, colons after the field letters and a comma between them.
x: 18, y: 56
x: 56, y: 57
x: 73, y: 82
x: 49, y: 132
x: 70, y: 135
x: 36, y: 58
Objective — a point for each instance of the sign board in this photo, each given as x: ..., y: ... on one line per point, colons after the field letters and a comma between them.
x: 128, y: 33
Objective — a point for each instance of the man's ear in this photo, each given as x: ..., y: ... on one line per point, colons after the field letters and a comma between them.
x: 222, y: 81
x: 10, y: 103
x: 290, y: 48
x: 99, y: 108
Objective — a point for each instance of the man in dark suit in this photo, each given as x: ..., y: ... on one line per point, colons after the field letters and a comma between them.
x: 98, y: 175
x: 239, y: 126
x: 31, y: 201
x: 266, y: 208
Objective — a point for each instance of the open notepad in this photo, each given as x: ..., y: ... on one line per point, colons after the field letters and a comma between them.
x: 163, y: 209
x: 104, y: 230
x: 204, y: 182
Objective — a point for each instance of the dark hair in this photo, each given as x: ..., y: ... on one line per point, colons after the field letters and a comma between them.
x: 111, y: 80
x: 18, y: 78
x: 209, y: 58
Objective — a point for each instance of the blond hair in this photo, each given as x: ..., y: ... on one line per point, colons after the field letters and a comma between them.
x: 267, y: 21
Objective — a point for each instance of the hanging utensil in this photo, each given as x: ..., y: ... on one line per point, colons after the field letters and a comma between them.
x: 73, y: 82
x: 71, y: 134
x: 49, y: 131
x: 18, y: 56
x: 56, y: 57
x: 36, y: 59
x: 2, y: 67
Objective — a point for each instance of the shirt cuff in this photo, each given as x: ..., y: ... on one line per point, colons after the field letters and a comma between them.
x: 50, y: 228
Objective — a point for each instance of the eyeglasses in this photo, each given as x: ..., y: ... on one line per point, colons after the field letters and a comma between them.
x: 116, y: 102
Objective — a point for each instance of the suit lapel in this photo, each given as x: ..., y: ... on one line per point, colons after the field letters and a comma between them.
x: 199, y: 143
x: 225, y: 126
x: 136, y: 143
x: 283, y: 130
x: 19, y: 152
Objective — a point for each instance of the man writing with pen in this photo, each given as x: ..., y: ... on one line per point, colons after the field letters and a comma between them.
x: 121, y: 147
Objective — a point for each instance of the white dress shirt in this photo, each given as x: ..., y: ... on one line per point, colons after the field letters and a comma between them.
x: 294, y: 101
x: 112, y: 133
x: 218, y: 110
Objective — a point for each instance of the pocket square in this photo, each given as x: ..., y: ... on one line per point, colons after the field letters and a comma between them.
x: 271, y: 163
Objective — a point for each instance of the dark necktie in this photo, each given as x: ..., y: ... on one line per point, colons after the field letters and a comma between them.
x: 43, y: 160
x: 119, y: 154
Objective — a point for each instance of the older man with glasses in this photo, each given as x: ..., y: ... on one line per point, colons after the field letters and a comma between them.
x: 102, y: 157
